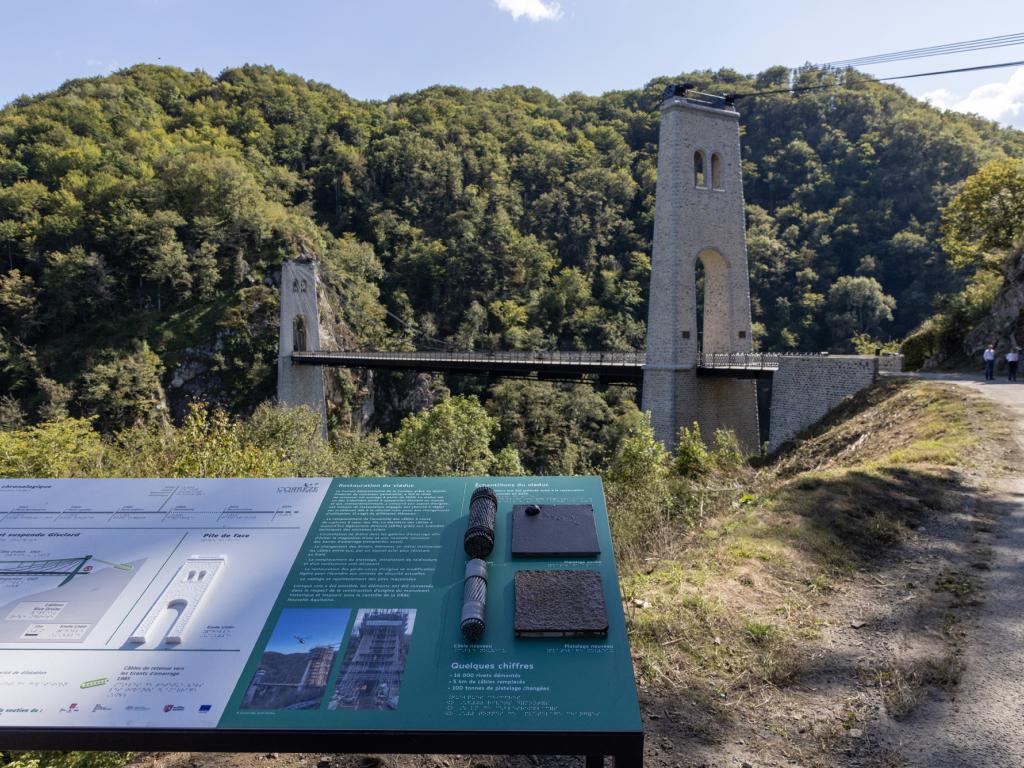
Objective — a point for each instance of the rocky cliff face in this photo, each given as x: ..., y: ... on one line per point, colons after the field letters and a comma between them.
x: 364, y: 399
x: 1003, y: 326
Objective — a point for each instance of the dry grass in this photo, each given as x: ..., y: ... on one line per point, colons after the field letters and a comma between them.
x: 736, y: 602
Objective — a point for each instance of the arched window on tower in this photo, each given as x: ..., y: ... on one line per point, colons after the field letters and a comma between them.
x: 716, y: 171
x: 699, y: 178
x: 299, y: 334
x: 295, y: 286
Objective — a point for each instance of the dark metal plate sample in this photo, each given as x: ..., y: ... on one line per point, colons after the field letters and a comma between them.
x: 557, y: 530
x: 560, y: 604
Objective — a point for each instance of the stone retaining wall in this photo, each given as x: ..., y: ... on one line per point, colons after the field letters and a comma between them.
x: 806, y: 388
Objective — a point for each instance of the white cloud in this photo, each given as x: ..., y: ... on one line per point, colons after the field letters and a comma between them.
x: 99, y: 65
x: 534, y: 10
x: 1003, y: 102
x: 940, y: 98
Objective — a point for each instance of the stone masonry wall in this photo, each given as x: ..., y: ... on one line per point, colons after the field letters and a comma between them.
x: 890, y: 363
x: 806, y: 388
x: 698, y: 221
x: 300, y: 384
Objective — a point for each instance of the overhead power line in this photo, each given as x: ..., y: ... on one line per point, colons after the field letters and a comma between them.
x: 966, y: 46
x: 826, y: 86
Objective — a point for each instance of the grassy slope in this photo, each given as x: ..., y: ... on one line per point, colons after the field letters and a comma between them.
x: 732, y: 611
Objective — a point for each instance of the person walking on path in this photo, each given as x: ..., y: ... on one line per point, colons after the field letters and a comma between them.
x: 990, y: 362
x: 1012, y: 358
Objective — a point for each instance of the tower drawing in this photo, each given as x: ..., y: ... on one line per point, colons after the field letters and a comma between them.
x: 699, y: 219
x: 372, y: 678
x: 184, y: 594
x: 300, y: 332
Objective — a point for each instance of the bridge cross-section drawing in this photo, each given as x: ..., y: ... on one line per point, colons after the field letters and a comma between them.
x: 184, y: 594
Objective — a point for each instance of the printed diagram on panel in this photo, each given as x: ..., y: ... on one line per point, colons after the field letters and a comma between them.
x: 58, y: 599
x: 374, y: 664
x: 180, y: 600
x: 296, y: 662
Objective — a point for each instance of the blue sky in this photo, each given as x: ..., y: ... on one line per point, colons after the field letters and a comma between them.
x: 375, y: 48
x: 316, y: 626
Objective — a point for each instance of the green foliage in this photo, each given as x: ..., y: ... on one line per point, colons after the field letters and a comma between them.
x: 293, y: 433
x: 155, y: 205
x: 983, y: 233
x: 49, y: 759
x: 561, y: 429
x: 864, y: 344
x: 857, y: 305
x: 277, y: 441
x: 759, y: 632
x: 648, y: 489
x: 61, y: 448
x: 123, y: 389
x: 640, y: 501
x: 985, y: 221
x: 692, y: 459
x: 639, y: 458
x: 452, y: 438
x: 728, y: 455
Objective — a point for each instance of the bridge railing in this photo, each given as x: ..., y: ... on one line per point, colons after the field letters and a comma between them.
x: 552, y: 357
x: 757, y: 360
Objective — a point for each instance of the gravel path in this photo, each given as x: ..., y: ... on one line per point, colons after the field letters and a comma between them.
x: 983, y: 725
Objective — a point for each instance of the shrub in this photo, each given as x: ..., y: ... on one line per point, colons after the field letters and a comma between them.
x: 692, y: 459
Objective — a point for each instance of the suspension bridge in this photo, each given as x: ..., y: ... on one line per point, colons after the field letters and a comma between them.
x: 692, y: 369
x: 65, y: 568
x: 557, y: 365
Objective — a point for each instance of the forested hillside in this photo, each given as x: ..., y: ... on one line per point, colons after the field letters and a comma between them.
x: 143, y: 216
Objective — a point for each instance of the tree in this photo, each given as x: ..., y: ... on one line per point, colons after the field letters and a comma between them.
x: 18, y: 306
x: 123, y: 389
x: 494, y: 218
x: 58, y: 448
x: 983, y: 224
x: 452, y: 438
x: 76, y: 286
x: 857, y: 305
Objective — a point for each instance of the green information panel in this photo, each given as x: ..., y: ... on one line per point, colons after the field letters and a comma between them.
x: 374, y: 601
x: 313, y: 613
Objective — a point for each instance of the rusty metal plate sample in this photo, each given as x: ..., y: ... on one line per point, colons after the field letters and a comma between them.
x: 560, y: 604
x: 554, y: 530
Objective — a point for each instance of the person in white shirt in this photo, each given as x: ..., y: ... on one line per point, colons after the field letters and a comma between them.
x: 989, y: 357
x: 1012, y: 359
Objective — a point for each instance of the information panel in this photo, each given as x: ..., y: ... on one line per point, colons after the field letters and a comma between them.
x: 312, y: 604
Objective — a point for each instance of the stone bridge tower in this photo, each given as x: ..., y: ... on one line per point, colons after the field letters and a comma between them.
x: 300, y: 332
x: 698, y: 216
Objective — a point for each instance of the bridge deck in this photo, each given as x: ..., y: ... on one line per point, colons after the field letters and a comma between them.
x: 605, y: 366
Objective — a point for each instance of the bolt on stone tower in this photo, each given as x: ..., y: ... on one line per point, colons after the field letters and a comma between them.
x: 698, y: 216
x: 300, y: 332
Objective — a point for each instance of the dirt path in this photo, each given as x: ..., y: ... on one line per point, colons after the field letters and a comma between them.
x: 982, y: 724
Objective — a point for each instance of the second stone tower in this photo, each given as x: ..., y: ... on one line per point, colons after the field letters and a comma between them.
x: 699, y: 217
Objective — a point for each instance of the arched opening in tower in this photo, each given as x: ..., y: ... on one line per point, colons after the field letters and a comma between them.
x: 716, y: 171
x: 299, y: 334
x: 713, y: 304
